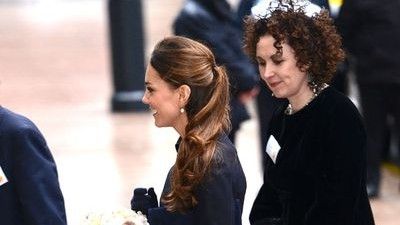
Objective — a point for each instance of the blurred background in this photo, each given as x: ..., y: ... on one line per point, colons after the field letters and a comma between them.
x: 56, y: 69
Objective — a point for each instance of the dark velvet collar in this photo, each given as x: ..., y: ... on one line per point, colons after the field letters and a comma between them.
x: 178, y: 142
x: 309, y: 106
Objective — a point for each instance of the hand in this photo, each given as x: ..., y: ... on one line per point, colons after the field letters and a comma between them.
x: 143, y: 200
x: 246, y: 96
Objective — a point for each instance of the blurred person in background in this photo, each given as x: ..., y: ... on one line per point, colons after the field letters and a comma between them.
x: 315, y: 168
x: 213, y: 23
x: 371, y: 35
x: 29, y: 190
x: 187, y: 90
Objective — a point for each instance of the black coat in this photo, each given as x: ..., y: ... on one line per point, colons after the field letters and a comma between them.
x: 32, y: 195
x: 213, y: 23
x: 220, y: 196
x: 319, y: 174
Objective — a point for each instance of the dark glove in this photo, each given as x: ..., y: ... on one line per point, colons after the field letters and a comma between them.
x: 143, y: 200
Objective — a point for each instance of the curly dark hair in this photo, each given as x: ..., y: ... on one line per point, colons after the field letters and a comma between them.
x: 315, y: 40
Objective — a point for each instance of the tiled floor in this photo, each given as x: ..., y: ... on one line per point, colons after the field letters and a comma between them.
x: 54, y: 68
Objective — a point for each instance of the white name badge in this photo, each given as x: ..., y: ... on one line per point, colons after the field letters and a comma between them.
x: 272, y: 148
x: 3, y: 178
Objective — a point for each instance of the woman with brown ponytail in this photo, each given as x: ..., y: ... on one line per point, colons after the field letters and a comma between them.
x: 186, y: 90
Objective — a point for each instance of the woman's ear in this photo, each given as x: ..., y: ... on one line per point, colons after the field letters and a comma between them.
x: 184, y: 94
x: 305, y: 67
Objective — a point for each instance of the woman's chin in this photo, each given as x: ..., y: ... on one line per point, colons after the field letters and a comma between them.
x: 159, y: 124
x: 278, y: 95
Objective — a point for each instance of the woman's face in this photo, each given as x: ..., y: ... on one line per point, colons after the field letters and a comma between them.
x: 163, y: 100
x: 281, y: 73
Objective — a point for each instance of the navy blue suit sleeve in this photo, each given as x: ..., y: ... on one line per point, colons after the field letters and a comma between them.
x: 36, y: 179
x: 342, y: 172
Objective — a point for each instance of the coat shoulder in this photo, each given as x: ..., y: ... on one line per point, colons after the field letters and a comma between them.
x: 12, y: 123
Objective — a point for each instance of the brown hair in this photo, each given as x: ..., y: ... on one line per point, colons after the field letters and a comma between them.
x: 314, y: 39
x: 182, y: 61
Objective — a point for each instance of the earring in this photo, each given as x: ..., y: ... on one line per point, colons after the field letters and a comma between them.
x: 182, y: 110
x: 313, y: 86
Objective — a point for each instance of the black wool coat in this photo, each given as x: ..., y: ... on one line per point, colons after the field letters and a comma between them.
x: 318, y: 177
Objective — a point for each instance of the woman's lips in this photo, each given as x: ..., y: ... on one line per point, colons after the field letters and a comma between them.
x: 274, y: 84
x: 153, y: 111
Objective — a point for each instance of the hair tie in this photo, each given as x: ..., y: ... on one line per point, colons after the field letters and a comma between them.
x: 215, y: 67
x: 214, y: 70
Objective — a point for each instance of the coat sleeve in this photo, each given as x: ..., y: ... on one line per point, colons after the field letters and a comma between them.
x: 160, y: 216
x: 266, y: 205
x: 36, y: 179
x: 342, y: 170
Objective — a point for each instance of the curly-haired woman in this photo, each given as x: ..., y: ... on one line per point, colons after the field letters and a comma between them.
x: 315, y: 155
x: 186, y: 90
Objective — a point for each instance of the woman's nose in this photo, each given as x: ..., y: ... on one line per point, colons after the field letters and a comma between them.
x: 144, y: 99
x: 267, y: 73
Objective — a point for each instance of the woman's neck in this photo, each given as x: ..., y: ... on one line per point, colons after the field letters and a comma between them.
x: 299, y: 101
x: 180, y: 126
